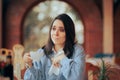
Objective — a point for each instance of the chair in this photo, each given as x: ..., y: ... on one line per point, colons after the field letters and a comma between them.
x: 18, y: 50
x: 4, y: 53
x: 6, y: 56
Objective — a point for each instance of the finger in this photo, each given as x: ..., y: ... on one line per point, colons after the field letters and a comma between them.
x: 28, y: 65
x: 27, y: 59
x: 27, y: 54
x: 56, y: 64
x: 56, y: 60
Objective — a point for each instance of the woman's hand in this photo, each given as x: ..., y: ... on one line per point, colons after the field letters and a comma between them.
x: 27, y: 59
x: 56, y: 63
x: 56, y: 60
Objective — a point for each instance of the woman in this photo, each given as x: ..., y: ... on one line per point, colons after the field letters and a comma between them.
x: 68, y: 65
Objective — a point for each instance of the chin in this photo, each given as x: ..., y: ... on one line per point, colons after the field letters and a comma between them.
x: 56, y: 43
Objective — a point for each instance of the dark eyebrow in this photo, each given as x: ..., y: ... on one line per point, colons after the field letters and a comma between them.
x: 61, y: 27
x: 53, y: 26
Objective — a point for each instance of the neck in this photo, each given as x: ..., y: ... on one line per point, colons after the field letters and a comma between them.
x: 58, y: 47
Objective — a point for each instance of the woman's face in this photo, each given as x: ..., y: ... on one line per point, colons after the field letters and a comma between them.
x: 58, y: 35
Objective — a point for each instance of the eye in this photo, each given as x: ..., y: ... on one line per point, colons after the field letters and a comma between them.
x: 62, y: 30
x: 53, y: 28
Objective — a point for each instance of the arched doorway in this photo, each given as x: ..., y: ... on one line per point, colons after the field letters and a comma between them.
x: 38, y: 21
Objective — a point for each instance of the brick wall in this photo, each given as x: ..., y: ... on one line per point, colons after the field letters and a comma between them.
x: 0, y: 23
x: 15, y: 14
x: 117, y: 30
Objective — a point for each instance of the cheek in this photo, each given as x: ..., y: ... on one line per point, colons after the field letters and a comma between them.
x: 64, y: 35
x: 51, y: 36
x: 64, y: 38
x: 51, y: 33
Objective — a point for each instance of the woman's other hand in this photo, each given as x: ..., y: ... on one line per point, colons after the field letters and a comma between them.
x: 27, y: 59
x: 56, y: 60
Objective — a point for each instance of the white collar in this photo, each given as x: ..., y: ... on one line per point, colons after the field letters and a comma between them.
x: 57, y: 53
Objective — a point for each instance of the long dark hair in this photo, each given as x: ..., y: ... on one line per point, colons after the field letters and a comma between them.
x: 70, y: 36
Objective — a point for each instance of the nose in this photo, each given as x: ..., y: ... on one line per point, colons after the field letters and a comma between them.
x: 56, y: 32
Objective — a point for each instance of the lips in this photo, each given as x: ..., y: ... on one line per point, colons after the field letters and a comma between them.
x: 56, y: 37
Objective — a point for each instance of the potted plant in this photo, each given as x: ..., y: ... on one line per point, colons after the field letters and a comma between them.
x: 103, y: 72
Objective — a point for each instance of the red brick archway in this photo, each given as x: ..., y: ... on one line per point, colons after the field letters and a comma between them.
x: 117, y: 30
x: 87, y: 10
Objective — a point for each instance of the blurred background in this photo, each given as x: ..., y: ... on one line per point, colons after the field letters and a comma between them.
x: 27, y: 22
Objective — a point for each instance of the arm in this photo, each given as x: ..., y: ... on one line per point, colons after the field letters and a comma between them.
x: 73, y: 69
x: 34, y: 72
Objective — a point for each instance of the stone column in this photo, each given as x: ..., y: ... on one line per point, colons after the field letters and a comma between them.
x: 108, y: 26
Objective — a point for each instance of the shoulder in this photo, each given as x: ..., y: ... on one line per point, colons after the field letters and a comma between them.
x: 78, y: 47
x: 40, y: 50
x: 78, y: 50
x: 43, y: 58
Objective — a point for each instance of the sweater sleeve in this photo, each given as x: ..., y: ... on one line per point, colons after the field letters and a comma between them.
x: 73, y: 69
x: 35, y: 72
